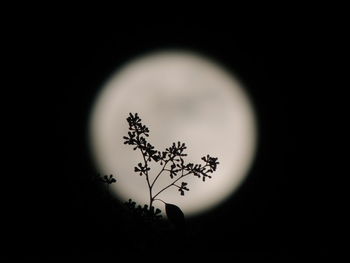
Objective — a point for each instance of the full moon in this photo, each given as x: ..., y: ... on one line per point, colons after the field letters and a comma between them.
x: 180, y: 96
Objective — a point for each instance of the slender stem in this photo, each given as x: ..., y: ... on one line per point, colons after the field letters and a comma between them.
x: 147, y: 179
x: 173, y: 183
x: 146, y: 172
x: 163, y: 169
x: 159, y: 200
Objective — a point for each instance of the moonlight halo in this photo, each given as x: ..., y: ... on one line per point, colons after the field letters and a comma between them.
x: 180, y: 96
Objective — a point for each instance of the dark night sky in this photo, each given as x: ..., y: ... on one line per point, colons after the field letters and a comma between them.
x: 292, y: 204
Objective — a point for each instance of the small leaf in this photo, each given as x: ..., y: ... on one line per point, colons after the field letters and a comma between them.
x: 174, y: 214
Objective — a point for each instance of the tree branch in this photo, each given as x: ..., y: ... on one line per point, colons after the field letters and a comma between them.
x: 161, y: 171
x: 173, y: 183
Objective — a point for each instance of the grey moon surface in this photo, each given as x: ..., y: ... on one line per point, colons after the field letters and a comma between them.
x: 180, y: 96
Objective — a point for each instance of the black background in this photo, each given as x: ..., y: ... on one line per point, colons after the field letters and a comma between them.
x: 293, y: 203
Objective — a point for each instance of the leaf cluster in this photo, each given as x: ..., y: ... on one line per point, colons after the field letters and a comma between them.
x: 172, y: 158
x: 143, y: 212
x: 106, y: 179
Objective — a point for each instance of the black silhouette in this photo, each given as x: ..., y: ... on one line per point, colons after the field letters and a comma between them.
x: 175, y: 215
x: 106, y: 179
x: 171, y: 161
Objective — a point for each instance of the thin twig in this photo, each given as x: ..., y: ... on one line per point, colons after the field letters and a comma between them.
x: 173, y: 183
x: 163, y: 169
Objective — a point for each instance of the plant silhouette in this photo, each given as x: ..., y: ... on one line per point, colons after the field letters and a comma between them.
x: 106, y: 179
x: 171, y: 162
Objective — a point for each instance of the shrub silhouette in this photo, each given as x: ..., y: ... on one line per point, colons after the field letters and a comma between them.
x: 171, y: 161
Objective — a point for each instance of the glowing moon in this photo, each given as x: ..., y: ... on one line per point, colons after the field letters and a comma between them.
x: 180, y: 96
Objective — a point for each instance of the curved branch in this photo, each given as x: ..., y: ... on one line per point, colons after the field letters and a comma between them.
x: 161, y: 171
x: 172, y: 184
